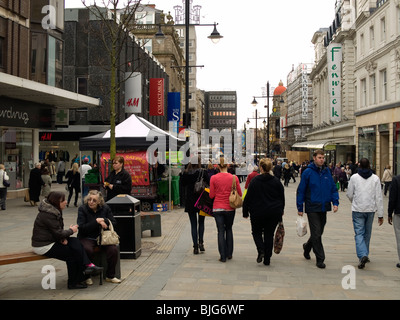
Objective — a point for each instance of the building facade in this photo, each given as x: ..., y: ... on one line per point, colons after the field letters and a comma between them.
x: 333, y: 134
x: 299, y: 102
x: 221, y: 110
x: 377, y: 83
x: 31, y: 85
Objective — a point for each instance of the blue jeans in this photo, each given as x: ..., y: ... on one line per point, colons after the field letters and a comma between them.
x: 224, y: 221
x: 362, y: 223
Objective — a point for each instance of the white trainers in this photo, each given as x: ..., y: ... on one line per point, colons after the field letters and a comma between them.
x: 89, y: 281
x: 113, y: 280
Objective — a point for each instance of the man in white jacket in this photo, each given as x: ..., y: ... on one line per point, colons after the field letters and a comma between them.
x: 365, y: 193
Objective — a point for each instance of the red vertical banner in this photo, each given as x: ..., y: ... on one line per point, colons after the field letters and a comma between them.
x: 156, y: 97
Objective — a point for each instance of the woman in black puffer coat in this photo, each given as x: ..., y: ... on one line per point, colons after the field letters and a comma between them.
x: 265, y: 202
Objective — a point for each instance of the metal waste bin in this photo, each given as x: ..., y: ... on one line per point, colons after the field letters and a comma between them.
x: 126, y: 211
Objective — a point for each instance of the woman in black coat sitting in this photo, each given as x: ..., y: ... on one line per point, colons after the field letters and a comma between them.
x: 93, y: 216
x: 265, y: 202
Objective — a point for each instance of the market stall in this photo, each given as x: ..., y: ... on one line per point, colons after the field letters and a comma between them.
x: 135, y: 140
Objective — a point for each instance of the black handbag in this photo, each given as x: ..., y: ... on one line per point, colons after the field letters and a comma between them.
x: 200, y: 184
x: 5, y: 182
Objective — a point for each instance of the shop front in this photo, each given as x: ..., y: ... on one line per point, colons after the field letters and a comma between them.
x: 19, y: 121
x: 26, y: 107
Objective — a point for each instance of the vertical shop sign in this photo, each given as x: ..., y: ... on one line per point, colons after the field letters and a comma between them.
x: 156, y: 96
x: 133, y: 92
x: 304, y: 92
x: 174, y: 110
x: 335, y: 80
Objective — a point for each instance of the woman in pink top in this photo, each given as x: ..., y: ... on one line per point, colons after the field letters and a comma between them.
x: 220, y: 189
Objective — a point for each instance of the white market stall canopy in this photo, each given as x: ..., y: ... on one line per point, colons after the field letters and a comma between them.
x: 134, y: 132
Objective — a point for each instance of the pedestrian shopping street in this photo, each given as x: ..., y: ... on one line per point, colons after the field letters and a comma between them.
x: 168, y: 270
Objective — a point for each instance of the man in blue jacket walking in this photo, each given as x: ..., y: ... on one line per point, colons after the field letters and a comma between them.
x: 317, y: 191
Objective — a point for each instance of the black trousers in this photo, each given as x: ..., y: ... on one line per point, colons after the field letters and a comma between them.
x: 263, y: 229
x: 111, y: 254
x: 316, y: 221
x: 75, y: 257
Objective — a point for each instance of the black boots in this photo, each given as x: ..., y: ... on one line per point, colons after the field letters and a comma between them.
x: 197, y: 247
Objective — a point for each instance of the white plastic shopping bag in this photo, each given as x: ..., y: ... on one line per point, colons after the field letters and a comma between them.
x: 301, y: 226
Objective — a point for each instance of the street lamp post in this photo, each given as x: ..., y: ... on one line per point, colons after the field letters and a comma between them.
x: 248, y: 122
x: 254, y: 103
x: 214, y: 37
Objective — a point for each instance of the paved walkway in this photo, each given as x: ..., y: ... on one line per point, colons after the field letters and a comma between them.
x: 168, y: 270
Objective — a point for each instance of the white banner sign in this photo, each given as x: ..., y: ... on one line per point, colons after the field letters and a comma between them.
x: 133, y: 92
x: 334, y: 54
x: 304, y: 92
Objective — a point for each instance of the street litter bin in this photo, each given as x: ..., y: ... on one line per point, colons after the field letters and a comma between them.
x: 126, y: 211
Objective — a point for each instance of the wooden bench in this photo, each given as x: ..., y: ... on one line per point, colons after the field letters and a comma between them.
x: 151, y: 221
x: 20, y: 257
x: 100, y: 260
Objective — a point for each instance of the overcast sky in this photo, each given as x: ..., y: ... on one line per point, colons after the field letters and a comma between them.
x: 262, y: 40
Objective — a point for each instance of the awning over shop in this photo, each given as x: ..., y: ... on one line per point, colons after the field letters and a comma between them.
x: 319, y: 144
x: 32, y: 91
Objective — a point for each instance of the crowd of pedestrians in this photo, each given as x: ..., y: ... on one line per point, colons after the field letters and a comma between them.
x: 263, y: 202
x: 316, y: 195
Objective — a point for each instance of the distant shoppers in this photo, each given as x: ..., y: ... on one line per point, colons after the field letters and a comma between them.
x: 253, y: 174
x: 60, y: 171
x: 193, y: 173
x: 278, y: 170
x: 3, y: 189
x: 73, y: 183
x: 119, y: 180
x: 93, y: 216
x: 46, y: 188
x: 317, y: 191
x: 366, y: 196
x: 35, y: 184
x: 343, y: 179
x: 265, y: 202
x: 49, y: 238
x: 387, y: 178
x: 220, y: 189
x: 287, y: 174
x: 394, y: 207
x: 85, y: 167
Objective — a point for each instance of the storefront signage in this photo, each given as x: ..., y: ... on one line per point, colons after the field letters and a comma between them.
x: 174, y: 110
x: 334, y: 55
x: 133, y: 92
x: 156, y: 96
x: 24, y: 114
x: 304, y: 92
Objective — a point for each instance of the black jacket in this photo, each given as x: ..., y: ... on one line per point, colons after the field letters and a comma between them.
x: 49, y: 226
x: 188, y: 179
x: 88, y: 226
x: 74, y: 180
x: 122, y: 184
x: 265, y: 196
x: 394, y: 196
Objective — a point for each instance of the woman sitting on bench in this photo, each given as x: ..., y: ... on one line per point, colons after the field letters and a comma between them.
x: 50, y: 239
x: 93, y: 215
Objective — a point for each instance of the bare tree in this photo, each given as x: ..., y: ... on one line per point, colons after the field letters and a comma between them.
x: 114, y: 17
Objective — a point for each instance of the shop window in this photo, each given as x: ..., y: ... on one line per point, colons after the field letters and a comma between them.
x: 2, y: 53
x: 367, y: 144
x: 16, y: 155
